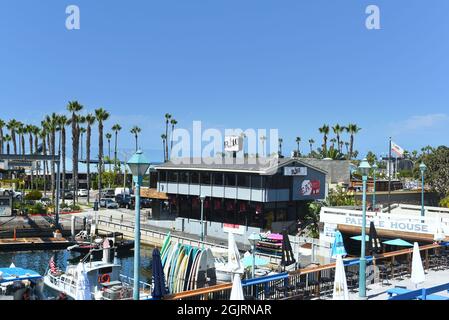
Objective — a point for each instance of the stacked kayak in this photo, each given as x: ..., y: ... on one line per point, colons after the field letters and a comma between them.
x: 187, y: 267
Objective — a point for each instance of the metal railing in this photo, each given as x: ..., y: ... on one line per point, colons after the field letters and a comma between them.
x: 318, y: 282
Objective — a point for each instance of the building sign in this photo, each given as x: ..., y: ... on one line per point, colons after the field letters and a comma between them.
x: 234, y: 228
x: 310, y: 187
x: 405, y: 226
x: 295, y: 171
x: 233, y: 143
x: 5, y: 207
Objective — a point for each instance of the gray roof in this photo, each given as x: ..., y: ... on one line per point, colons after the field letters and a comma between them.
x: 251, y: 165
x: 339, y: 171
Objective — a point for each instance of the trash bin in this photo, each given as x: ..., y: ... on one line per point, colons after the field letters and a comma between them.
x: 96, y: 206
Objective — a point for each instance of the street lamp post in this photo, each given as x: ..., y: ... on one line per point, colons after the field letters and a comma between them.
x: 364, y: 170
x: 138, y: 166
x: 374, y: 167
x: 202, y: 198
x: 253, y: 238
x: 423, y: 169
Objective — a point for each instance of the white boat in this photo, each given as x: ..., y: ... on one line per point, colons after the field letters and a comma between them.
x: 103, y: 279
x: 226, y: 267
x: 20, y: 284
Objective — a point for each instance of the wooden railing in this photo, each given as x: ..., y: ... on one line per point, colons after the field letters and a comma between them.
x: 314, y: 282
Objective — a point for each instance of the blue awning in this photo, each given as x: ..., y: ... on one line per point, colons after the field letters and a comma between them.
x: 398, y: 242
x: 11, y: 274
x: 359, y: 238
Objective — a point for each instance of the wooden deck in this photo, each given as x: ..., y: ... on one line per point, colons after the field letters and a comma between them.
x: 30, y: 243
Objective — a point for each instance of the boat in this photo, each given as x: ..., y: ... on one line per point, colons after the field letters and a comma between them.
x: 227, y: 266
x: 94, y: 280
x: 85, y: 243
x: 20, y: 284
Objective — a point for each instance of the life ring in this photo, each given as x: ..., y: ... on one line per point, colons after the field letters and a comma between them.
x: 104, y: 278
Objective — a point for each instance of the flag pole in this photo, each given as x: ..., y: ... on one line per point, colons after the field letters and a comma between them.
x: 389, y: 178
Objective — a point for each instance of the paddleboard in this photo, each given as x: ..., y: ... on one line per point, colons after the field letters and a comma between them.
x: 191, y: 282
x: 166, y: 243
x: 200, y: 276
x: 182, y: 271
x: 189, y: 268
x: 176, y: 268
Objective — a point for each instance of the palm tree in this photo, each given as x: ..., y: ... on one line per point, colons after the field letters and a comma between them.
x: 43, y: 135
x: 116, y: 128
x: 90, y: 120
x: 63, y: 121
x: 167, y: 120
x: 109, y: 137
x: 337, y: 130
x: 164, y: 140
x: 74, y: 107
x: 29, y: 131
x: 82, y: 132
x: 263, y: 139
x: 311, y: 142
x: 352, y: 129
x: 135, y: 131
x: 333, y: 140
x: 35, y: 131
x: 101, y: 115
x: 325, y: 131
x: 21, y: 132
x: 173, y: 123
x: 347, y: 147
x: 2, y: 125
x: 298, y: 140
x: 52, y: 125
x: 280, y: 140
x: 7, y: 139
x: 12, y: 126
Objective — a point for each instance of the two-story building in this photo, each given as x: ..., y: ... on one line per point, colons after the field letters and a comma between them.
x: 258, y: 194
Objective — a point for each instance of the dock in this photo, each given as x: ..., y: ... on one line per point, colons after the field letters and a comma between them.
x: 25, y: 244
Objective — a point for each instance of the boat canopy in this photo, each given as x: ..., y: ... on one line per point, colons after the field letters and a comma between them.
x: 14, y: 274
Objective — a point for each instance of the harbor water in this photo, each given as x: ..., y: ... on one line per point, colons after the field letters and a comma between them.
x: 39, y: 262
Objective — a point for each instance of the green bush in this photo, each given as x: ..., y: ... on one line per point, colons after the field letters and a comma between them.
x: 75, y: 207
x: 33, y: 195
x: 38, y: 208
x: 445, y: 202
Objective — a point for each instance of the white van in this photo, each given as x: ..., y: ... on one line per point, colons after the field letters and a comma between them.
x: 126, y: 191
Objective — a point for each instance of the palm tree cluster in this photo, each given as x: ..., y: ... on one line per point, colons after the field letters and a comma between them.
x: 169, y: 120
x: 50, y: 138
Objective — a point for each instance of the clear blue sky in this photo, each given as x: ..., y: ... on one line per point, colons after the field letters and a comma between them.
x: 288, y: 64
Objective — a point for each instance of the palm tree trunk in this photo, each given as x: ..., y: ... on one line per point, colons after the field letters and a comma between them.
x: 14, y: 142
x: 136, y: 141
x: 30, y: 140
x: 100, y: 155
x: 44, y: 150
x: 171, y: 137
x: 23, y: 144
x: 2, y: 150
x: 74, y: 157
x: 115, y: 152
x: 63, y: 138
x: 166, y: 140
x: 109, y: 153
x: 351, y: 145
x: 88, y: 133
x: 36, y: 147
x: 53, y: 152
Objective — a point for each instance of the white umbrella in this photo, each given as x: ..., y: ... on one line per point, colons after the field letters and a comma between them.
x: 237, y: 290
x: 418, y: 275
x: 82, y: 284
x: 340, y: 285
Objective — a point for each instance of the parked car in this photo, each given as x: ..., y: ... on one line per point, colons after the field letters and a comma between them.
x: 108, y: 203
x: 68, y: 194
x: 82, y: 193
x: 8, y: 192
x: 124, y: 201
x: 45, y: 201
x: 108, y: 193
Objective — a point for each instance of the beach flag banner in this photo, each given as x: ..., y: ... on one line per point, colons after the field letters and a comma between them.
x: 399, y: 151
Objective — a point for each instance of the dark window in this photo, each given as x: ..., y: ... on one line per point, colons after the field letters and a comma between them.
x: 243, y: 180
x: 256, y: 182
x: 105, y: 270
x: 278, y: 182
x: 162, y: 176
x: 218, y: 179
x: 172, y: 176
x: 194, y: 178
x: 184, y: 177
x: 205, y: 178
x: 230, y: 179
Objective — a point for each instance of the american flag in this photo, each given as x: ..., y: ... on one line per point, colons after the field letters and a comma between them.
x: 53, y: 268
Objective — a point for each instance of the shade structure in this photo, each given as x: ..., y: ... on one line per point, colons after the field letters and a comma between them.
x: 159, y: 288
x: 398, y: 242
x: 237, y: 289
x: 374, y: 246
x: 340, y: 285
x: 338, y: 247
x: 82, y: 284
x: 359, y: 238
x: 418, y: 275
x: 247, y: 261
